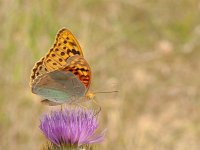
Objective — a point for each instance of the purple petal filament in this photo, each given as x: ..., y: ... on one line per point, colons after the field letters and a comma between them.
x: 71, y: 126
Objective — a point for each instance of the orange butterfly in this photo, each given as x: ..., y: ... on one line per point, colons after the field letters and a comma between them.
x: 62, y: 75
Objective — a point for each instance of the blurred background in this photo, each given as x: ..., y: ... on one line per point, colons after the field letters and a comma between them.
x: 146, y: 49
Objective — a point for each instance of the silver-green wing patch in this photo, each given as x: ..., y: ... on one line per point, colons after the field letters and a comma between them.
x: 59, y: 86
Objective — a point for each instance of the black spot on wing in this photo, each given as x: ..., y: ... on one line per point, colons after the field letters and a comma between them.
x: 73, y: 51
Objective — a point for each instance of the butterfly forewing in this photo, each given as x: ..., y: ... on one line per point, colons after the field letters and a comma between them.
x: 65, y: 46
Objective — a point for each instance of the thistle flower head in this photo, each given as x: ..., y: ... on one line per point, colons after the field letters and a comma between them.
x: 71, y: 126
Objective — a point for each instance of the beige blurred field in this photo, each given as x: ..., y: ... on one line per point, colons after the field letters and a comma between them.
x: 149, y: 50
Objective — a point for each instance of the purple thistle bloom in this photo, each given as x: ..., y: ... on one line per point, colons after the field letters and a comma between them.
x: 71, y: 126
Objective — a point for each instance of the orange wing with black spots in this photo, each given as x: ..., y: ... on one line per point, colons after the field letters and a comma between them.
x: 79, y: 67
x: 38, y: 70
x: 65, y: 46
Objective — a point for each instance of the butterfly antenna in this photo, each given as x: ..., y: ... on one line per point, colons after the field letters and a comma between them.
x: 106, y: 92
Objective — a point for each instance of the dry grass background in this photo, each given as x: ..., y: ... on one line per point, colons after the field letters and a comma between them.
x: 149, y: 49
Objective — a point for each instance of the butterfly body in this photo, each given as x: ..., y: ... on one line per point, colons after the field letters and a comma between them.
x: 62, y: 75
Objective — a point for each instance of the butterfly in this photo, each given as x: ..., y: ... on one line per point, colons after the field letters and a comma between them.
x: 62, y: 75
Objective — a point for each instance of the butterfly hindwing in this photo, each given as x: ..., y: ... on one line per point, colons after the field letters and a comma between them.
x: 79, y: 67
x: 59, y: 86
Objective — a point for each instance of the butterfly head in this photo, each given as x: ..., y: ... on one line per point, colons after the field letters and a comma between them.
x: 90, y: 95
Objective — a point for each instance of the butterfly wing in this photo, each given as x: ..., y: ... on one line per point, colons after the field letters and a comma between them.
x: 65, y: 59
x: 59, y: 86
x: 80, y: 68
x: 64, y: 47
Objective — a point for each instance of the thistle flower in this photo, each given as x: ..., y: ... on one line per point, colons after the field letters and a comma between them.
x: 72, y: 127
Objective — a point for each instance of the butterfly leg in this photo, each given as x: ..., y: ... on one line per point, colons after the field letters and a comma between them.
x: 96, y: 110
x: 76, y: 101
x: 84, y: 107
x: 99, y: 107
